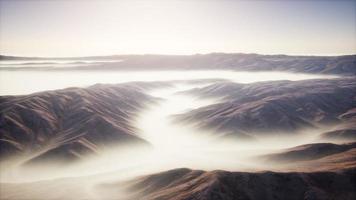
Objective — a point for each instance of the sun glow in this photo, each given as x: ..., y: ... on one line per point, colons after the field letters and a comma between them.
x: 79, y: 28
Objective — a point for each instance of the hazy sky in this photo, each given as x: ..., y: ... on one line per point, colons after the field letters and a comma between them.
x: 76, y: 28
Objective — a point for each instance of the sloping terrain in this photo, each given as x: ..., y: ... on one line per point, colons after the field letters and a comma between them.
x: 275, y: 107
x: 310, y: 152
x: 312, y: 157
x: 345, y: 130
x: 186, y: 184
x: 242, y: 62
x: 334, y: 162
x: 69, y: 123
x: 348, y: 133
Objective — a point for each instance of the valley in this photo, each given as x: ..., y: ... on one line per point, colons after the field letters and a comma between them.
x: 179, y: 135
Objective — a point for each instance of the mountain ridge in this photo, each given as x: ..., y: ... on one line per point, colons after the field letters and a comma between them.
x: 274, y: 106
x: 216, y: 61
x: 70, y: 123
x: 187, y: 184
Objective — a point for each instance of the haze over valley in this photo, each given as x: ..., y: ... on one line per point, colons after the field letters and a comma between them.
x: 126, y: 124
x: 177, y: 100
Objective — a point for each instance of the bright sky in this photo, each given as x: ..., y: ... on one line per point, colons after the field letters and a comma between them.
x: 79, y: 28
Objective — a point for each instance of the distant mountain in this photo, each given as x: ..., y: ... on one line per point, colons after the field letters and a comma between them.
x: 238, y: 61
x: 13, y: 58
x: 186, y: 184
x: 70, y: 123
x: 275, y: 107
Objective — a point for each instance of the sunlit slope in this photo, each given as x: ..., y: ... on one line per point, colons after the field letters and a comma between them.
x: 282, y: 107
x: 69, y: 123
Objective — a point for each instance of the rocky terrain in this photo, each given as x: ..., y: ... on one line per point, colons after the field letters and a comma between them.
x: 242, y: 62
x: 70, y: 123
x: 282, y: 107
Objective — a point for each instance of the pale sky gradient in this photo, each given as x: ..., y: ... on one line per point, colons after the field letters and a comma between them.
x: 81, y: 28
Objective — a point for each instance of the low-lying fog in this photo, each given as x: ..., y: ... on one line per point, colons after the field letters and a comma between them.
x: 25, y: 82
x: 173, y: 145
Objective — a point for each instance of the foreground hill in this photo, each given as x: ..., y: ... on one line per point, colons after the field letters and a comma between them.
x: 69, y: 123
x: 186, y: 184
x: 276, y: 107
x: 238, y: 61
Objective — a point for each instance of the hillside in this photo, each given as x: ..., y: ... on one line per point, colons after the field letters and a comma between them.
x: 70, y: 123
x: 186, y: 184
x: 275, y: 107
x: 309, y: 152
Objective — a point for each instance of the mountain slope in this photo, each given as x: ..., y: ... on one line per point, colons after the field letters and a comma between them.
x: 186, y: 184
x: 70, y: 123
x: 310, y: 152
x: 345, y: 131
x: 312, y: 157
x: 276, y: 106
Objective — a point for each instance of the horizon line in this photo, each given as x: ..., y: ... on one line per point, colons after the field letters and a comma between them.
x: 192, y: 54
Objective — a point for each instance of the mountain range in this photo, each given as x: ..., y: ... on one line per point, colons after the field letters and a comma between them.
x: 345, y: 65
x: 66, y: 125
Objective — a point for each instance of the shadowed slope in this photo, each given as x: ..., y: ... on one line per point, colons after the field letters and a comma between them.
x: 185, y: 184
